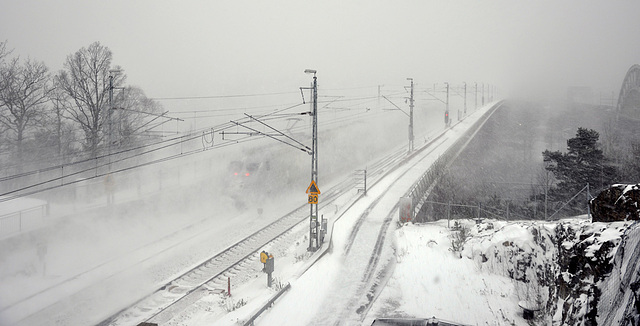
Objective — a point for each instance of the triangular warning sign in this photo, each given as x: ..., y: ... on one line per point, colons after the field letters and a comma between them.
x: 313, y: 188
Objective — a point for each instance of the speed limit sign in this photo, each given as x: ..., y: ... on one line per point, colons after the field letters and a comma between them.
x: 313, y: 192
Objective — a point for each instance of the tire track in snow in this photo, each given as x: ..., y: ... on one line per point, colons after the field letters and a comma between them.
x: 363, y: 216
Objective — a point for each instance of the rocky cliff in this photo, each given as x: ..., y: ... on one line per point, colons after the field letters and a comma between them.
x: 572, y: 271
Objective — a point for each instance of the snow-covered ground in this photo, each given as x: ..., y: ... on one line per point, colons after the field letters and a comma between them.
x: 430, y: 280
x: 503, y: 266
x: 343, y: 278
x: 368, y: 268
x: 87, y: 260
x: 482, y: 278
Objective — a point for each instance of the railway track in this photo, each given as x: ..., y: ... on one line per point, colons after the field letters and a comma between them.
x: 175, y: 296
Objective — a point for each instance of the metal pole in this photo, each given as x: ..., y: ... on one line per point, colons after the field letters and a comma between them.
x: 476, y: 96
x: 588, y: 208
x: 490, y: 91
x: 313, y: 208
x: 465, y: 98
x: 448, y: 214
x: 109, y: 117
x: 411, y: 117
x: 365, y: 182
x: 447, y: 109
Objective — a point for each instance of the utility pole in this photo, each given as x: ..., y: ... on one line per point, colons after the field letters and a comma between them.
x: 465, y: 98
x: 110, y: 110
x: 482, y: 94
x: 490, y: 92
x: 314, y: 233
x: 447, y: 104
x: 476, y: 103
x: 109, y: 180
x: 411, y: 117
x: 109, y: 114
x: 109, y: 135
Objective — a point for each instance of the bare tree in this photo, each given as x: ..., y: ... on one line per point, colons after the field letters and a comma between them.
x: 545, y: 181
x: 136, y: 113
x: 3, y: 54
x: 23, y: 95
x: 85, y: 79
x: 58, y: 132
x: 4, y: 51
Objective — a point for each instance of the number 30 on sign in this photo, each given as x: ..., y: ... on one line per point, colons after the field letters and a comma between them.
x: 313, y: 199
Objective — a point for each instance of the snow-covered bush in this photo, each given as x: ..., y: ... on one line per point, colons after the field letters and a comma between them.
x: 459, y: 235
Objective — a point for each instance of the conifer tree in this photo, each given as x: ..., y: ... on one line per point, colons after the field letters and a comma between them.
x: 583, y: 163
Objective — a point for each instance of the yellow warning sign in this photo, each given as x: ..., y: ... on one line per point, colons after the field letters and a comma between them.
x: 313, y: 188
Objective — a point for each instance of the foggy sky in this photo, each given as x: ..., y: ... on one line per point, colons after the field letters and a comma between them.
x: 201, y: 48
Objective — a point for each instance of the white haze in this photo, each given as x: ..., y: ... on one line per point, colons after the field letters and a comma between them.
x: 199, y: 48
x: 209, y: 48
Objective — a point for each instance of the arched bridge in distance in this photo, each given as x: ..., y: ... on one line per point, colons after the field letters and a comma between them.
x: 629, y: 99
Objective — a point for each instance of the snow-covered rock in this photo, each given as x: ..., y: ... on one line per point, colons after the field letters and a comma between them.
x: 620, y: 202
x: 572, y: 271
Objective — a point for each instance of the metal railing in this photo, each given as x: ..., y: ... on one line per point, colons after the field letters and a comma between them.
x: 257, y: 314
x: 421, y: 188
x: 26, y: 219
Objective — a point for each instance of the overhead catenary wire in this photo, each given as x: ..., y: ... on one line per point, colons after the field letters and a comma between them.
x: 171, y: 142
x: 96, y: 167
x: 174, y: 141
x: 278, y: 131
x: 220, y: 127
x: 180, y: 139
x: 218, y: 96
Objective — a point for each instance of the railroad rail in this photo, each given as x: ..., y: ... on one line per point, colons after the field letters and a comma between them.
x: 173, y: 297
